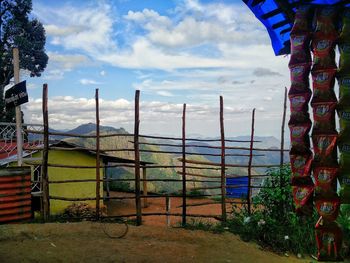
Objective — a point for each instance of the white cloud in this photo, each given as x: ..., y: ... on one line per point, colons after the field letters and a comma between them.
x: 67, y: 62
x: 89, y: 82
x: 68, y: 112
x: 103, y: 73
x: 86, y: 28
x: 165, y: 93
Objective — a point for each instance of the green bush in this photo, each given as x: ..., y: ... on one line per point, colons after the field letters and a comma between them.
x: 272, y: 222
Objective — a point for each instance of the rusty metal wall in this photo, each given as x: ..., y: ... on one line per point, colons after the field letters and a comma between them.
x: 15, y: 194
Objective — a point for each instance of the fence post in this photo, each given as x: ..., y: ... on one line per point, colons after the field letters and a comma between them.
x: 250, y: 163
x: 44, y: 171
x: 167, y: 204
x: 97, y: 156
x: 137, y: 159
x: 223, y: 164
x: 283, y: 125
x: 184, y: 208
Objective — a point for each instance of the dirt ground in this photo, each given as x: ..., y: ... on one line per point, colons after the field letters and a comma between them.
x: 152, y: 242
x: 86, y: 242
x: 155, y: 205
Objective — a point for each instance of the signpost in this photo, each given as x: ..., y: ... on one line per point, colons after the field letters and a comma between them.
x: 15, y: 101
x: 16, y: 96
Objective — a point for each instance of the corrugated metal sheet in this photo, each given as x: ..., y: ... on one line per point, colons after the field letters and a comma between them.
x: 15, y: 196
x: 276, y: 20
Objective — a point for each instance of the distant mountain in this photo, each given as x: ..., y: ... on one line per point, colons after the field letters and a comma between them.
x: 91, y: 128
x: 203, y: 153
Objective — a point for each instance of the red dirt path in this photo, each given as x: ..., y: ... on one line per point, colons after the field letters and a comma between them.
x: 158, y: 205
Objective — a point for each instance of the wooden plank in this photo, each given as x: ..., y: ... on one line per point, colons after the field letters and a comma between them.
x: 250, y: 163
x: 137, y: 159
x: 44, y: 166
x: 223, y: 167
x: 98, y: 185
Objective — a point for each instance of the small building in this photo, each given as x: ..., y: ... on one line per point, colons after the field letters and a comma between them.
x: 69, y: 154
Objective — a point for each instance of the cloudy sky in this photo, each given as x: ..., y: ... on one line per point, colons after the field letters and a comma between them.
x: 174, y: 51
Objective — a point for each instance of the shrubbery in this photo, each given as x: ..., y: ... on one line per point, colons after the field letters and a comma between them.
x: 272, y: 222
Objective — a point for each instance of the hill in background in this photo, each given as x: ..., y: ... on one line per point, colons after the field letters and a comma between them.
x: 167, y: 159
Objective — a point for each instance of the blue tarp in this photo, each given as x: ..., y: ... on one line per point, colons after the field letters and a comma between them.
x: 277, y: 24
x: 241, y: 191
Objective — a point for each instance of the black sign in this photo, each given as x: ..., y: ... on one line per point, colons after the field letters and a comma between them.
x: 16, y: 95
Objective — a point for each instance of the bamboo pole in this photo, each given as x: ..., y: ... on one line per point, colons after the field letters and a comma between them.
x: 144, y: 192
x: 97, y: 156
x: 223, y: 164
x: 44, y: 166
x: 184, y: 208
x: 250, y: 163
x: 137, y: 159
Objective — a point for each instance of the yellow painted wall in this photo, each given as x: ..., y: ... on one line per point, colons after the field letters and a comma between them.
x: 71, y: 190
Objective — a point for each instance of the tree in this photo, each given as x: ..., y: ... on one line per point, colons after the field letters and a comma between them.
x: 18, y: 30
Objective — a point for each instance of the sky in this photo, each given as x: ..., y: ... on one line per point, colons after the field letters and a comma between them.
x: 173, y: 51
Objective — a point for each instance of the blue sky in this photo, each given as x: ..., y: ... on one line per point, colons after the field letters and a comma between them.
x: 175, y: 52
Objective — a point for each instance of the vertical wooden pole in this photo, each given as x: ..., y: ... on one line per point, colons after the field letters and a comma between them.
x: 19, y: 137
x: 167, y: 205
x: 184, y: 192
x: 283, y: 125
x: 98, y: 184
x: 44, y: 170
x: 144, y: 177
x: 250, y: 163
x: 223, y: 164
x: 137, y: 159
x: 107, y: 182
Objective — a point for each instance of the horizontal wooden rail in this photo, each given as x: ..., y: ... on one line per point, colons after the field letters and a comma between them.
x: 217, y: 217
x: 199, y: 175
x: 228, y: 165
x: 193, y: 139
x: 213, y: 147
x: 128, y: 180
x: 122, y: 165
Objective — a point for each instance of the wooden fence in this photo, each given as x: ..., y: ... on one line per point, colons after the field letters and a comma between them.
x: 186, y: 163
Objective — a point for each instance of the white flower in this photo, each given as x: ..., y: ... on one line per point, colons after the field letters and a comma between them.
x: 286, y: 237
x: 261, y: 222
x: 246, y: 220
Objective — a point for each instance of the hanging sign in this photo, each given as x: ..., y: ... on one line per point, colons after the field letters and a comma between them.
x: 17, y: 95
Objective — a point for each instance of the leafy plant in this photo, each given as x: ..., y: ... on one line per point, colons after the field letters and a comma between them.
x: 272, y: 222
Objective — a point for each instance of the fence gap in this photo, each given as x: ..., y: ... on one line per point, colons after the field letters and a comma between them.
x: 184, y: 193
x: 223, y: 165
x: 144, y: 192
x: 250, y: 164
x: 97, y: 156
x: 137, y: 159
x: 44, y: 172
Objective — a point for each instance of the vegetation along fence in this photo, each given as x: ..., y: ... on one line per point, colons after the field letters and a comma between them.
x: 208, y: 179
